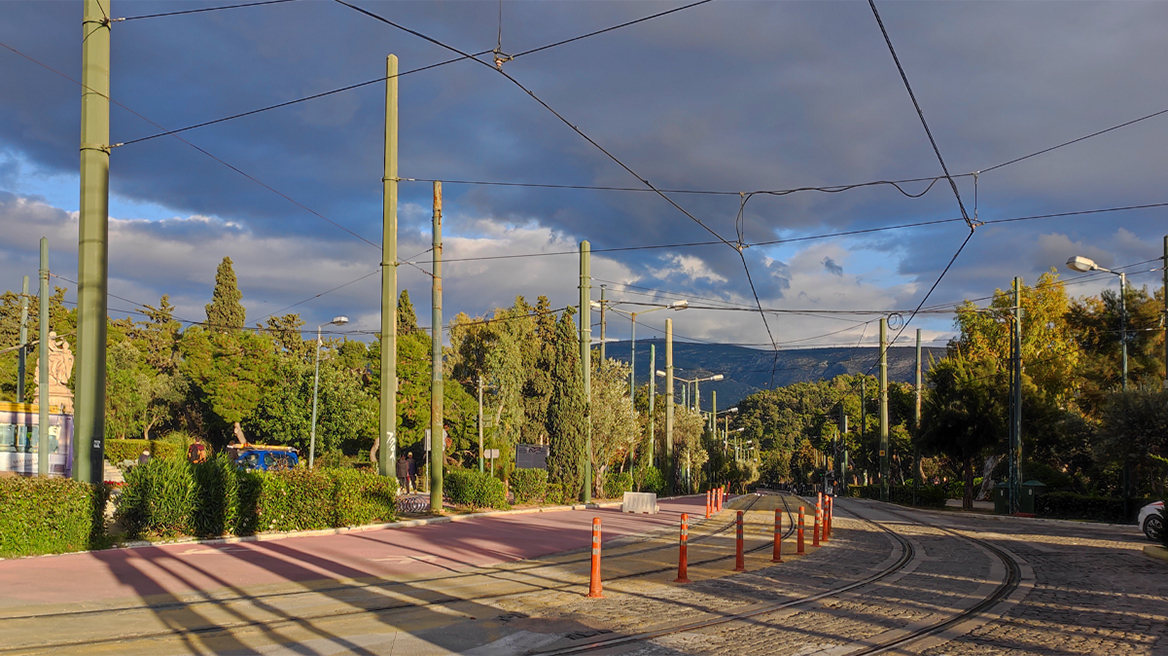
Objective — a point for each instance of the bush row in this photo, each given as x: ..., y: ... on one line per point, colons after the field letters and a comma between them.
x: 118, y: 450
x: 49, y: 515
x: 616, y: 484
x: 1067, y: 505
x: 467, y: 487
x: 166, y: 498
x: 926, y: 496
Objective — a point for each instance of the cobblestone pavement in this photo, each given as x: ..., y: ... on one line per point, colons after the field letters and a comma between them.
x: 1084, y: 589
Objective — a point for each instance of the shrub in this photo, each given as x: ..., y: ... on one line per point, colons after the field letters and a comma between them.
x: 159, y: 499
x: 118, y: 450
x: 649, y: 479
x: 295, y: 500
x: 363, y: 497
x: 932, y: 496
x: 1067, y: 505
x: 173, y: 446
x: 555, y: 494
x: 477, y: 490
x: 616, y: 484
x: 49, y: 515
x: 529, y: 485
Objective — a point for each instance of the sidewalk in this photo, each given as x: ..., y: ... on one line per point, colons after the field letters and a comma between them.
x: 383, y: 553
x: 977, y: 505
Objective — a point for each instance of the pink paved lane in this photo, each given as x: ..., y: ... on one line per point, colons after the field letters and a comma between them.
x: 180, y: 568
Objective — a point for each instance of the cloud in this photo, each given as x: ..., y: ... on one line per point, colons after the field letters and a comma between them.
x: 832, y: 267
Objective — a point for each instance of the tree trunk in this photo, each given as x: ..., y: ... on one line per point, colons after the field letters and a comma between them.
x: 967, y: 469
x: 238, y: 431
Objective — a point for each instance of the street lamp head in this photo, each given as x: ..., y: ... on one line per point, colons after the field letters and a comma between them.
x: 734, y: 409
x: 660, y: 373
x: 1082, y: 264
x: 339, y: 321
x: 594, y: 305
x: 679, y: 305
x: 717, y: 377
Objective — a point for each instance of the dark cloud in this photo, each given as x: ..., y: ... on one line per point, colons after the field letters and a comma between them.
x: 832, y: 268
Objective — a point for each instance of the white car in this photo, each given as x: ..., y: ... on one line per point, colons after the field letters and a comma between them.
x: 1151, y: 521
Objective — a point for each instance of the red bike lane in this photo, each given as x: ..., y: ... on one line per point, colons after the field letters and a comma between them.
x: 384, y: 553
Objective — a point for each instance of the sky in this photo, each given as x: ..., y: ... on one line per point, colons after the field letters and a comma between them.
x: 728, y: 96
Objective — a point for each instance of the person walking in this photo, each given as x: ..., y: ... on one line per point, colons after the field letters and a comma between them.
x: 403, y: 474
x: 412, y: 471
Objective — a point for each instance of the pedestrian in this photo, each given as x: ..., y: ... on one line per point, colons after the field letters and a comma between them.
x: 403, y: 474
x: 412, y: 471
x: 144, y: 458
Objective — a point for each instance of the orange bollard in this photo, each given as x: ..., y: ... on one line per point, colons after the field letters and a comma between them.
x: 816, y: 529
x: 799, y: 542
x: 683, y: 552
x: 709, y: 502
x: 594, y: 580
x: 830, y: 510
x: 777, y: 557
x: 739, y: 558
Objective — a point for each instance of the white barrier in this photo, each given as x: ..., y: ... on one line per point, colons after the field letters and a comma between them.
x: 640, y: 502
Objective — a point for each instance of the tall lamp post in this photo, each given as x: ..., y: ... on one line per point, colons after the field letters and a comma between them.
x: 676, y: 305
x: 337, y: 321
x: 694, y: 382
x: 1086, y: 264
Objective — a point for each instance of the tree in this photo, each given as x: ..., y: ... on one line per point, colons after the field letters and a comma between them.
x: 963, y: 414
x: 565, y: 417
x: 407, y: 319
x: 224, y: 312
x: 231, y: 370
x: 614, y: 428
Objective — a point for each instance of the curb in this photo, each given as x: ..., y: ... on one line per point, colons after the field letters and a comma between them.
x: 1159, y: 553
x: 278, y: 535
x: 1004, y: 518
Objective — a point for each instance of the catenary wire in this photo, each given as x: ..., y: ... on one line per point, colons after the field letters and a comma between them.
x: 920, y: 114
x: 199, y: 11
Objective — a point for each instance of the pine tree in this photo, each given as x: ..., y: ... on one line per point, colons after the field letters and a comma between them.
x: 565, y: 413
x: 224, y: 312
x: 407, y: 319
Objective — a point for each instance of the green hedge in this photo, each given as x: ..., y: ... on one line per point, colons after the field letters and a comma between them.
x: 166, y: 498
x: 529, y: 485
x: 555, y: 494
x: 118, y: 450
x: 927, y: 496
x: 616, y: 484
x: 1067, y: 505
x: 477, y: 490
x: 49, y: 515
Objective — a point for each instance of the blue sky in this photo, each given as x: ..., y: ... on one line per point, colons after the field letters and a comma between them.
x: 731, y: 95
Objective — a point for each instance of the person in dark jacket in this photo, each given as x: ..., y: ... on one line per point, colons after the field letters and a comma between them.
x: 403, y: 474
x: 412, y: 471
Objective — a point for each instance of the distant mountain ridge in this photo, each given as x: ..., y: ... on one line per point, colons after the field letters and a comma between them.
x: 748, y: 370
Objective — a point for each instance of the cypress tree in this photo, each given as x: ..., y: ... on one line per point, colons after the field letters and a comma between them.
x: 407, y: 320
x: 565, y: 412
x: 224, y: 312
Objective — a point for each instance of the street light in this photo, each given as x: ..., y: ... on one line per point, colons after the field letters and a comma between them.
x: 676, y: 305
x: 1086, y: 264
x: 337, y: 321
x: 695, y: 381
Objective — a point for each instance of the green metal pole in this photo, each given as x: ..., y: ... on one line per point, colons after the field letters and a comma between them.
x: 387, y: 420
x: 652, y: 400
x: 633, y: 364
x: 93, y: 244
x: 22, y: 354
x: 1165, y: 312
x: 883, y: 408
x: 586, y: 362
x: 603, y: 326
x: 713, y: 408
x: 669, y: 474
x: 919, y: 471
x: 480, y: 424
x: 1016, y: 419
x: 1123, y: 325
x: 43, y: 366
x: 437, y: 429
x: 315, y: 394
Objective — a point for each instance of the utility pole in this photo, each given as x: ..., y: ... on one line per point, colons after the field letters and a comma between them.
x: 1123, y: 324
x: 652, y: 399
x: 1016, y: 402
x: 633, y: 366
x: 437, y: 429
x: 387, y: 449
x: 843, y: 451
x: 603, y: 325
x: 713, y: 408
x: 586, y: 361
x: 480, y: 423
x: 883, y: 408
x: 93, y: 245
x: 1166, y: 312
x: 22, y: 353
x: 43, y: 365
x: 919, y: 471
x: 669, y: 406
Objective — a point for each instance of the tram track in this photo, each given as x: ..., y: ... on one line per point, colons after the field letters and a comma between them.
x: 1003, y: 590
x: 383, y: 586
